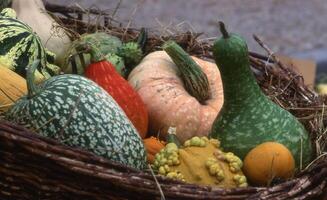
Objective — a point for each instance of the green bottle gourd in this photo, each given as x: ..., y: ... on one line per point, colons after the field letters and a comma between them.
x: 248, y: 117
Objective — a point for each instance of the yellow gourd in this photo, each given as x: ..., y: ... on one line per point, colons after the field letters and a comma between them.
x: 12, y: 87
x: 267, y: 161
x: 200, y: 161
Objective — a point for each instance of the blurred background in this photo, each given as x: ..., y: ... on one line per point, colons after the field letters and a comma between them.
x: 296, y: 28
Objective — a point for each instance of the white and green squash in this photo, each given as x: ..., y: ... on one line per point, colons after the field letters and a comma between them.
x: 20, y: 46
x: 52, y: 35
x: 77, y: 112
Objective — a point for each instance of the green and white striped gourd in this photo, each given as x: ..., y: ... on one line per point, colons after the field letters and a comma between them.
x: 248, y: 117
x: 77, y: 112
x: 20, y: 46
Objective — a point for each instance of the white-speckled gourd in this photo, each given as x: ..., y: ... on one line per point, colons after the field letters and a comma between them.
x: 248, y: 116
x: 77, y: 112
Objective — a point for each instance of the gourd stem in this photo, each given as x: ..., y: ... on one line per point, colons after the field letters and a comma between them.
x: 95, y: 53
x: 142, y: 39
x: 172, y: 138
x: 195, y: 80
x: 223, y: 30
x: 30, y: 76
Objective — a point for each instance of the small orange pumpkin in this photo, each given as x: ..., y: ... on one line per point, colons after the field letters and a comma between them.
x: 152, y: 145
x: 267, y: 161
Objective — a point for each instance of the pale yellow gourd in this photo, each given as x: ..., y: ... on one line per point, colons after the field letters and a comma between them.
x: 52, y: 36
x: 12, y: 87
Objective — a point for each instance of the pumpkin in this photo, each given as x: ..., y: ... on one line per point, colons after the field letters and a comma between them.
x: 248, y: 117
x: 20, y: 46
x: 162, y: 86
x: 52, y: 35
x: 152, y: 145
x: 12, y: 87
x: 77, y: 112
x: 200, y: 161
x: 268, y: 161
x: 103, y: 73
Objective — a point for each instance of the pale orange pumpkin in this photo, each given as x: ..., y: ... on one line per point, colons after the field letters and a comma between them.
x: 157, y: 80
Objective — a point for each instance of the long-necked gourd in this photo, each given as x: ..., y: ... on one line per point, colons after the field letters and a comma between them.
x: 77, y: 112
x: 248, y: 116
x: 20, y: 46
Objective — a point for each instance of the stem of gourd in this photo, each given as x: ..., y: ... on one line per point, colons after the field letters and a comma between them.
x: 195, y: 80
x: 223, y: 29
x: 30, y: 76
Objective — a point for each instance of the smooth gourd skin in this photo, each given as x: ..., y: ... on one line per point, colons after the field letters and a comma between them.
x: 248, y: 117
x: 78, y: 113
x: 157, y: 81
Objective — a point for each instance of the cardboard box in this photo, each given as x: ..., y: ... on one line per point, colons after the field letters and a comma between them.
x: 306, y: 68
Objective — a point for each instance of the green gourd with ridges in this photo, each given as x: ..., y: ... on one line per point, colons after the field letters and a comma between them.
x: 121, y: 55
x: 248, y: 117
x: 20, y: 46
x: 77, y: 112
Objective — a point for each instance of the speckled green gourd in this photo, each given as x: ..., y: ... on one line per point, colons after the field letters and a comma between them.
x: 77, y: 112
x: 248, y: 117
x: 20, y: 46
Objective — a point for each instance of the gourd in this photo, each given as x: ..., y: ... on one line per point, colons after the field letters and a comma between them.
x: 121, y: 55
x: 78, y: 113
x: 200, y: 161
x: 268, y: 161
x: 248, y: 116
x: 158, y: 80
x: 52, y: 36
x: 152, y: 145
x: 103, y: 73
x: 105, y: 43
x: 12, y: 87
x: 20, y: 46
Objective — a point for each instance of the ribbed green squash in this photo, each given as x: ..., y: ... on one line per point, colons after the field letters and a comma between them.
x: 20, y: 46
x: 248, y: 116
x: 123, y: 56
x: 107, y: 44
x: 77, y: 112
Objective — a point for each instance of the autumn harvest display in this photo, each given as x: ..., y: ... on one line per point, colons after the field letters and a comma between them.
x: 102, y: 112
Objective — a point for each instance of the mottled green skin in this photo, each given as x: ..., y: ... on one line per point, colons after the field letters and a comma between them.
x: 78, y: 113
x: 20, y: 46
x: 195, y: 80
x: 106, y: 44
x: 248, y: 116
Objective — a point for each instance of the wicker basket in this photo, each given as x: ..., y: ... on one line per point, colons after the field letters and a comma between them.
x: 34, y: 167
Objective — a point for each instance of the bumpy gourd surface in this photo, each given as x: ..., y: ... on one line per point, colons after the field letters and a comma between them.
x: 199, y: 161
x: 77, y: 112
x: 20, y: 46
